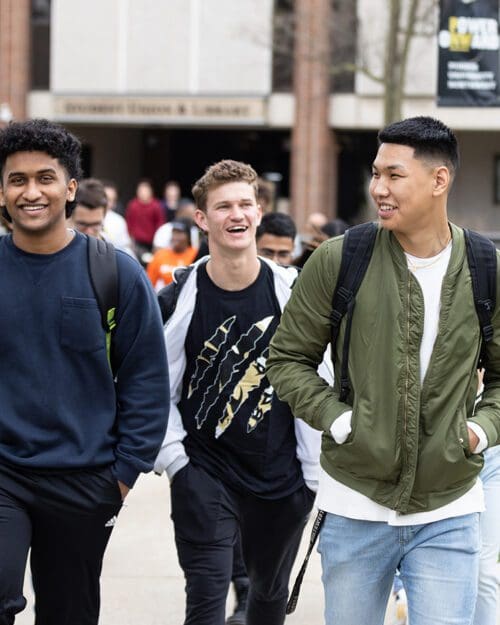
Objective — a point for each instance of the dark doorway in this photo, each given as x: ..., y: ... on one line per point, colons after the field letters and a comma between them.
x: 183, y: 155
x: 357, y: 151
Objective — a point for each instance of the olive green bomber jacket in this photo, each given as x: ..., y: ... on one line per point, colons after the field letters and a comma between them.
x: 408, y: 448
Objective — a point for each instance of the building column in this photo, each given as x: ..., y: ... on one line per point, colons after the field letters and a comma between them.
x: 313, y: 158
x: 15, y: 18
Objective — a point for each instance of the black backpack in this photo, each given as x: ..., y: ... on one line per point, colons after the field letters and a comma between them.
x: 357, y: 250
x: 168, y: 295
x: 104, y: 278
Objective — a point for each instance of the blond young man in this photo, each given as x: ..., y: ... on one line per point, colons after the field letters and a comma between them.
x: 237, y: 459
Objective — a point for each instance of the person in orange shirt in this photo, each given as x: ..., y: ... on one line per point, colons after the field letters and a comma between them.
x: 179, y: 254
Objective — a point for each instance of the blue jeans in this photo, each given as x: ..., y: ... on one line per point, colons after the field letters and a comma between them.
x: 486, y: 606
x: 438, y: 564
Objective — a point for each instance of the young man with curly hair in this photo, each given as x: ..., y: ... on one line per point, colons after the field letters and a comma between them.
x: 74, y: 434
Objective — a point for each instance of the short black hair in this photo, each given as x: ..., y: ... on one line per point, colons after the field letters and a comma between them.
x: 429, y: 138
x: 278, y: 224
x: 41, y: 135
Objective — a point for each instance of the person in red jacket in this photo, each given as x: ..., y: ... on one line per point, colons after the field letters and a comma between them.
x: 144, y: 215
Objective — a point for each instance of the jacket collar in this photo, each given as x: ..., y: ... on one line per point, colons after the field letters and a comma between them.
x: 457, y: 249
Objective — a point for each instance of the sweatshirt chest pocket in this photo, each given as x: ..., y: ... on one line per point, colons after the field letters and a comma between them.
x: 81, y: 328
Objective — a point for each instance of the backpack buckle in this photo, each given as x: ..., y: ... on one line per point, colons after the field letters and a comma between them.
x: 343, y: 297
x: 487, y: 304
x: 487, y: 333
x: 335, y: 317
x: 344, y: 389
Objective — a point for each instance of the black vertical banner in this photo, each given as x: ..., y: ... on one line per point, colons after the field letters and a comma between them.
x: 468, y: 45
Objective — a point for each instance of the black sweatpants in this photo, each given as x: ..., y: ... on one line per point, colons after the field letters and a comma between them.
x: 66, y: 519
x: 207, y: 518
x: 239, y: 569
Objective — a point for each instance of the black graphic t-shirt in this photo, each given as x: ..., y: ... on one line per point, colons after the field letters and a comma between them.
x: 237, y: 429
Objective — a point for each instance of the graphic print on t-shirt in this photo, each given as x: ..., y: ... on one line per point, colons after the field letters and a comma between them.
x: 208, y: 354
x: 239, y: 372
x: 251, y: 379
x: 236, y: 427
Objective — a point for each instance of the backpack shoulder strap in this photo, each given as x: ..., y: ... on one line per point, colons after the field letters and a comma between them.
x: 104, y: 277
x: 357, y: 250
x: 482, y: 258
x: 168, y: 296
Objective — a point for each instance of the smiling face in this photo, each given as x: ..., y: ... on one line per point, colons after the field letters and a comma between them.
x: 35, y: 189
x: 231, y: 217
x: 407, y: 190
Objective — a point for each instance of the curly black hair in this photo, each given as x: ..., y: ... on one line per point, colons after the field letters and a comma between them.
x: 41, y: 135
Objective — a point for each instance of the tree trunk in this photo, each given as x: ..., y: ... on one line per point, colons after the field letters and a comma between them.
x: 396, y: 59
x: 407, y: 38
x: 392, y: 70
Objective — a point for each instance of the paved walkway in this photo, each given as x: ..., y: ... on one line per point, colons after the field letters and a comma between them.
x: 142, y: 582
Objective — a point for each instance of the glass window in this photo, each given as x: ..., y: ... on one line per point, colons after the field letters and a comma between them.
x: 40, y: 44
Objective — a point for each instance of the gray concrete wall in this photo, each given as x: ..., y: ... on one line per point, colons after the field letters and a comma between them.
x: 472, y: 199
x: 177, y: 47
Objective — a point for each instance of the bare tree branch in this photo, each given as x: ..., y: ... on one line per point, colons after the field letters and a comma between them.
x: 354, y: 67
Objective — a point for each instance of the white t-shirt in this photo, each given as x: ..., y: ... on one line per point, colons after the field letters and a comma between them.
x: 339, y: 499
x: 115, y: 231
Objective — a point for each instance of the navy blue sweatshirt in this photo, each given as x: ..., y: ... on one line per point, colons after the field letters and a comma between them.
x: 59, y: 406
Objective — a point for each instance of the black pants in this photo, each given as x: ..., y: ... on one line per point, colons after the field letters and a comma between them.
x: 207, y: 517
x: 67, y: 520
x: 239, y: 569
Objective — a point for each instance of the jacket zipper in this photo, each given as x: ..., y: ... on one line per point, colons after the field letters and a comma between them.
x: 407, y: 382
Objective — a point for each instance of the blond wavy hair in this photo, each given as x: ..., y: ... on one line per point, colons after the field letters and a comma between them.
x: 221, y: 173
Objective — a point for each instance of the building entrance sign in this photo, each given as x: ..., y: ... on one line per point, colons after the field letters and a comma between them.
x: 157, y: 110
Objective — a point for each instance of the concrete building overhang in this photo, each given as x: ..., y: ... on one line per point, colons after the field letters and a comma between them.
x: 346, y: 111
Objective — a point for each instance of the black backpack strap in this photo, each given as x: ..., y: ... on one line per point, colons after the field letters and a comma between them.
x: 294, y: 595
x: 357, y: 249
x: 104, y: 277
x: 168, y: 296
x: 482, y: 258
